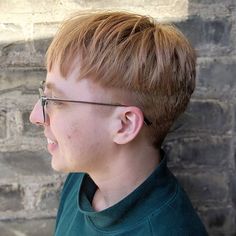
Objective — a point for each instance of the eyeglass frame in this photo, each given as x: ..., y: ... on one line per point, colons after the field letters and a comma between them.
x: 44, y: 99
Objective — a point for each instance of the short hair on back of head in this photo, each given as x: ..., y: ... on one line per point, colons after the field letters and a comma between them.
x: 132, y: 52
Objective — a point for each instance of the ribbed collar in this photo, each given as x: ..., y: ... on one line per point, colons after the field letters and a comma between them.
x: 150, y: 196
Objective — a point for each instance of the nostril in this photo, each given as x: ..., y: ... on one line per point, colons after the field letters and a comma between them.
x: 38, y: 123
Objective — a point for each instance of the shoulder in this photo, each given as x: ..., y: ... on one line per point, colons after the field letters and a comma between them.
x: 177, y: 218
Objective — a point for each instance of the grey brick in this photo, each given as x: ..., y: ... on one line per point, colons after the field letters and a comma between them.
x: 37, y: 227
x: 204, y: 151
x: 49, y: 195
x: 202, y: 32
x: 29, y: 129
x: 218, y: 74
x: 22, y: 79
x: 27, y: 162
x: 205, y: 116
x: 6, y: 171
x: 41, y: 46
x: 15, y: 53
x: 205, y: 187
x: 232, y: 177
x: 219, y: 221
x: 11, y: 197
x: 2, y: 123
x: 234, y: 125
x: 207, y: 2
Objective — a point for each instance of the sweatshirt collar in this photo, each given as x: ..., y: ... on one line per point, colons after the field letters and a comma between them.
x: 150, y: 196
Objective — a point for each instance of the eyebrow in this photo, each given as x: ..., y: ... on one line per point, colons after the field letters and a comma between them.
x: 51, y: 86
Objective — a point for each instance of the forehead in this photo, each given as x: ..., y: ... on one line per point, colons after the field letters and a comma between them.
x: 73, y: 88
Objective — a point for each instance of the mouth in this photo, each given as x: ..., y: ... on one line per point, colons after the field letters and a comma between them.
x: 51, y: 141
x: 52, y: 145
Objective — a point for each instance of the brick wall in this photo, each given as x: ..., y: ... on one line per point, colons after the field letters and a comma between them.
x: 202, y: 152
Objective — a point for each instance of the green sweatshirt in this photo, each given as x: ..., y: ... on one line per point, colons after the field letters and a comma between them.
x: 159, y: 206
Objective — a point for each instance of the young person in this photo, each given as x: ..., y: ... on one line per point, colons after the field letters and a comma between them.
x: 115, y: 84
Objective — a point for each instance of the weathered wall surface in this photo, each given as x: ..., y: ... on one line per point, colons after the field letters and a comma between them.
x: 202, y: 152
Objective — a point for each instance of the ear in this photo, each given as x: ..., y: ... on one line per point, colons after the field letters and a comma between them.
x: 129, y: 123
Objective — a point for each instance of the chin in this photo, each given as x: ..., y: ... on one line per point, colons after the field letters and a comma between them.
x: 57, y: 167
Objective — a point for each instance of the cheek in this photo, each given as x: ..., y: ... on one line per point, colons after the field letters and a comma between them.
x: 65, y: 134
x: 76, y: 135
x: 80, y: 133
x: 87, y: 138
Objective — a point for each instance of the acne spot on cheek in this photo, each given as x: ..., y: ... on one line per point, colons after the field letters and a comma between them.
x: 69, y: 137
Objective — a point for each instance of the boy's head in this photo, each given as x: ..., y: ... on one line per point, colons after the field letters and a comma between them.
x: 152, y: 63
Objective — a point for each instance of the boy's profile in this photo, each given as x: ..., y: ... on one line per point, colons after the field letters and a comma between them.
x: 115, y: 84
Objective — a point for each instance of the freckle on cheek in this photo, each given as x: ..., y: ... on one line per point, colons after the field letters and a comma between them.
x: 69, y: 137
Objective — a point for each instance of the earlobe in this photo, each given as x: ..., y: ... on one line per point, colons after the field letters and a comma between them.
x: 130, y: 124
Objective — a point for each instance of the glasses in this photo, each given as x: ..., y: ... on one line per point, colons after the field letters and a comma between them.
x: 44, y: 102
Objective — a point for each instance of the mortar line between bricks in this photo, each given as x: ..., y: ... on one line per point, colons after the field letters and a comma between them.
x: 23, y: 68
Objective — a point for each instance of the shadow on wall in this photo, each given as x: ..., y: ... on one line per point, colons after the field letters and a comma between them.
x: 202, y: 154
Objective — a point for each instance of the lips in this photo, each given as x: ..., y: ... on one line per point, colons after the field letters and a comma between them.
x: 52, y: 145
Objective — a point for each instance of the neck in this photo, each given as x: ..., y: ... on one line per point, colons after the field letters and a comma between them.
x: 128, y: 169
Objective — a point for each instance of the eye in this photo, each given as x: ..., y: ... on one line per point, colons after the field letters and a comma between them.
x: 56, y: 103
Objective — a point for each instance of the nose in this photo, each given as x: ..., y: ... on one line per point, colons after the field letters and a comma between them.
x: 36, y: 115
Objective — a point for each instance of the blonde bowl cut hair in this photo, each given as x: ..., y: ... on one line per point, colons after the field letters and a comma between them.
x: 132, y: 52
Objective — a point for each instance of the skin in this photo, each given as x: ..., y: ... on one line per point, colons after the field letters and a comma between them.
x: 108, y: 143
